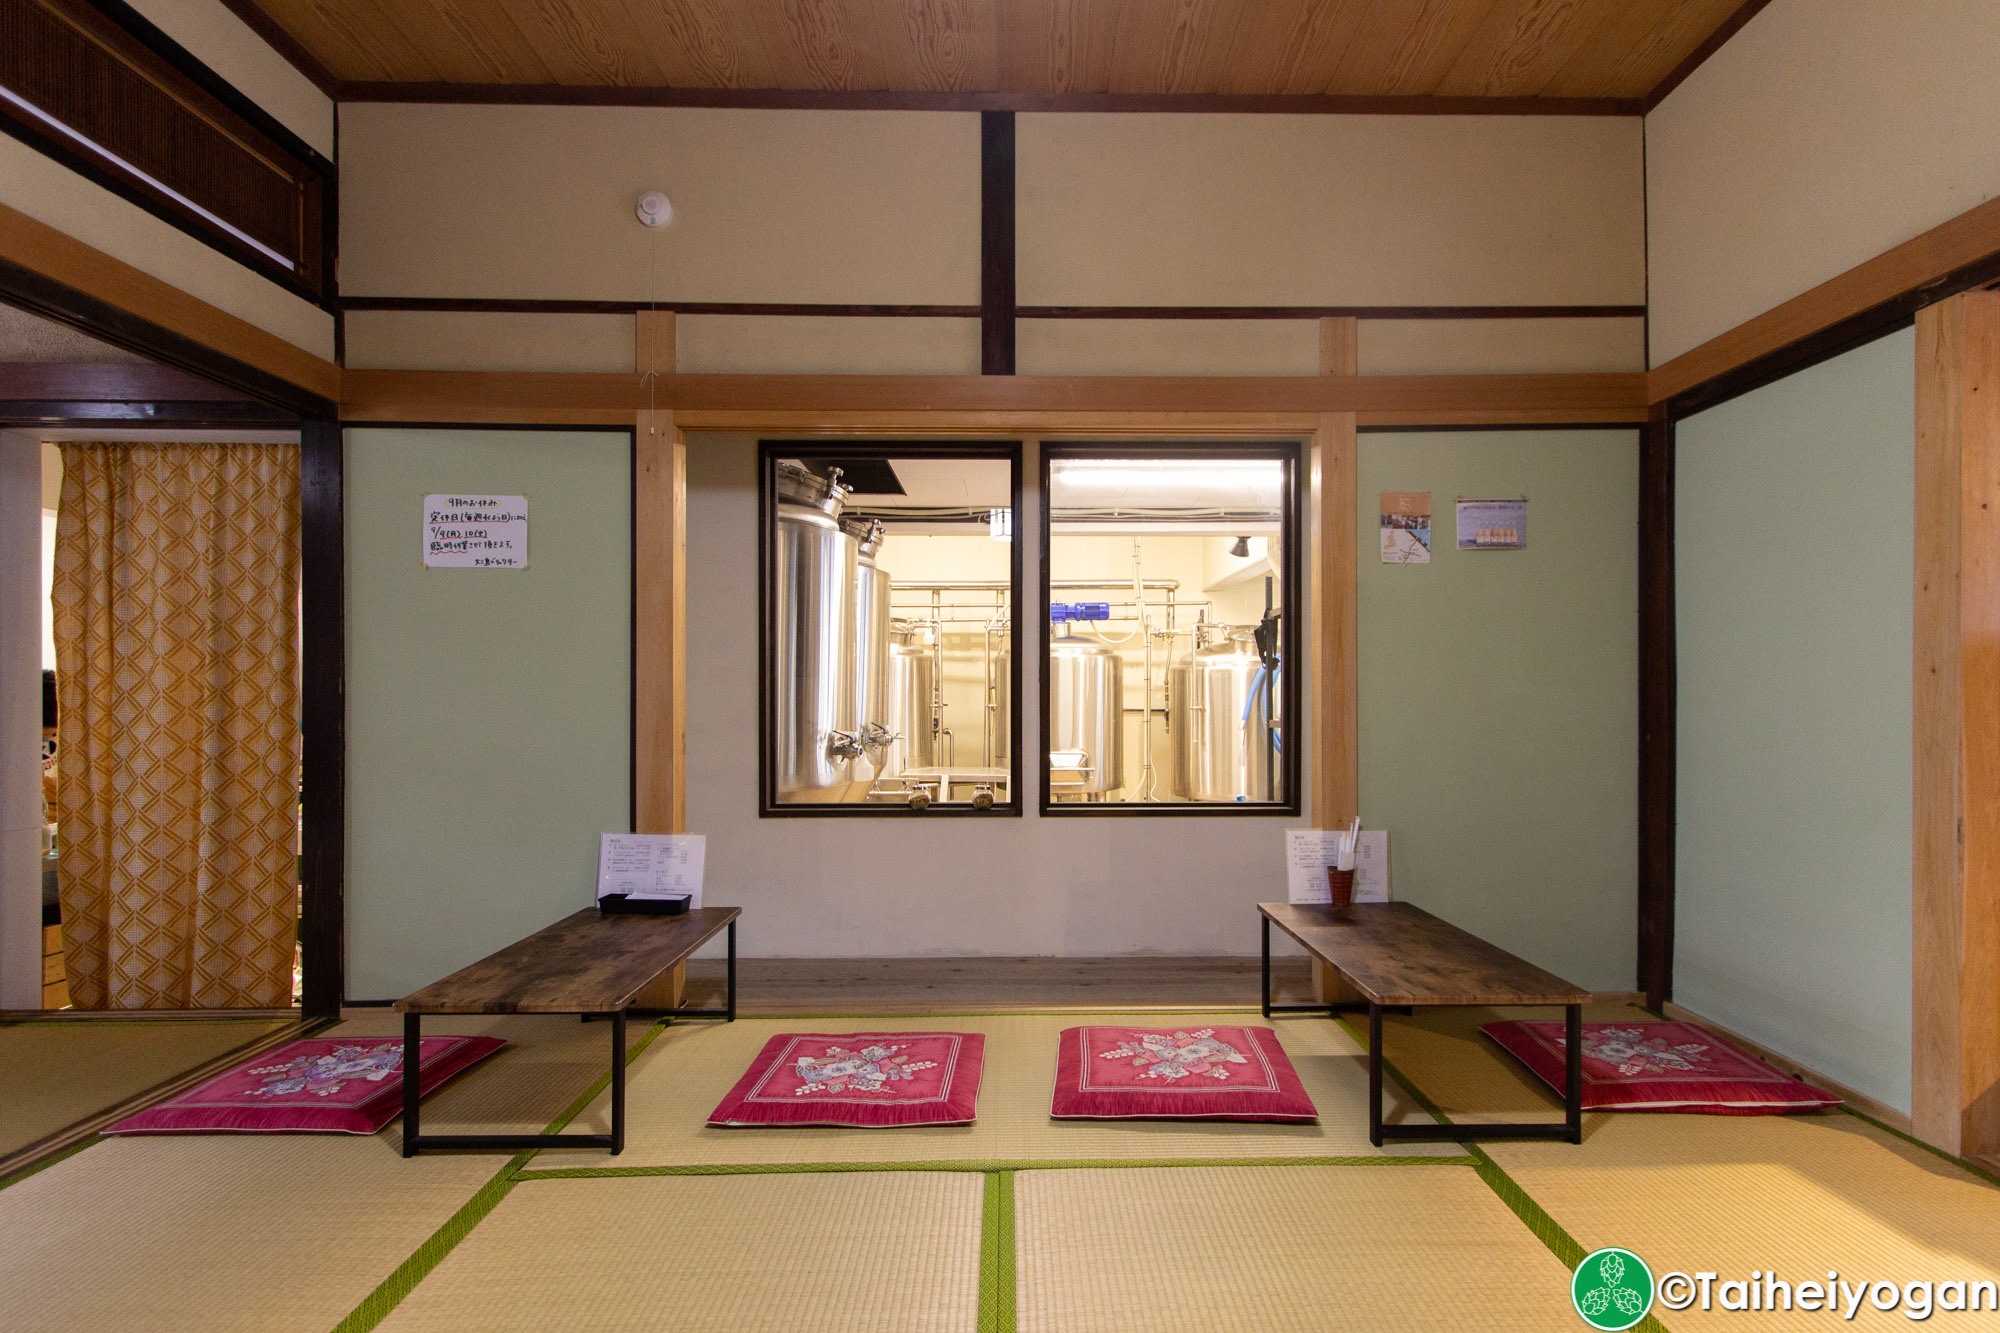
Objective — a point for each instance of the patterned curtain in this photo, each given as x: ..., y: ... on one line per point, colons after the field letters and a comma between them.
x: 176, y: 626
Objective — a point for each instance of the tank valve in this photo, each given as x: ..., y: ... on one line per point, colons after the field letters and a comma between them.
x: 844, y: 745
x: 982, y: 798
x: 920, y: 799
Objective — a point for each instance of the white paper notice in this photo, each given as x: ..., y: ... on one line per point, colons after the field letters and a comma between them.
x: 1309, y: 851
x: 1371, y: 867
x: 651, y: 865
x: 476, y: 531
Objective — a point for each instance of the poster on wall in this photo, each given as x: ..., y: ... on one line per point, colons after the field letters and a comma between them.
x: 1406, y: 527
x: 1493, y: 525
x: 475, y: 532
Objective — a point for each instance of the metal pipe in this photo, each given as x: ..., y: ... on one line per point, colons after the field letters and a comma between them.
x: 991, y: 585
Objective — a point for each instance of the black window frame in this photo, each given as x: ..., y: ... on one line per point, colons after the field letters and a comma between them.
x: 1291, y: 453
x: 768, y: 452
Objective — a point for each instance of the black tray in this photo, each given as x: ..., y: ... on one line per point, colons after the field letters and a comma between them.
x: 619, y: 903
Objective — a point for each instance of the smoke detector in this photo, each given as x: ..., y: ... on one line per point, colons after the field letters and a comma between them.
x: 654, y: 209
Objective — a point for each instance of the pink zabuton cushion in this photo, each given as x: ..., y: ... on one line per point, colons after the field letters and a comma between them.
x: 1659, y: 1067
x: 318, y: 1085
x: 1209, y: 1073
x: 872, y: 1079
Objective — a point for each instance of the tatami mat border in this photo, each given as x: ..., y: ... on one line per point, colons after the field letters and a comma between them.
x: 80, y: 1134
x: 1567, y: 1250
x: 377, y: 1304
x: 44, y: 1163
x: 998, y: 1299
x: 974, y: 1166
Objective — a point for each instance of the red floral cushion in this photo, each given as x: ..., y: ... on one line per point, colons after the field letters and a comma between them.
x: 1209, y: 1073
x: 872, y: 1079
x: 319, y: 1084
x: 1659, y: 1067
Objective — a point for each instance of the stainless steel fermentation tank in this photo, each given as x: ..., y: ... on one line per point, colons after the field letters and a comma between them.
x: 1219, y: 711
x: 910, y: 689
x: 817, y: 590
x: 1087, y: 711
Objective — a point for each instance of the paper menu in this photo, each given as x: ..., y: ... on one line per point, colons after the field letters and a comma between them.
x: 651, y: 865
x: 1371, y: 867
x: 1308, y: 852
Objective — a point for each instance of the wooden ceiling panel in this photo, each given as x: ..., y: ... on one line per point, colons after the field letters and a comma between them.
x: 1521, y: 46
x: 1638, y: 47
x: 1172, y: 46
x: 1598, y: 49
x: 1291, y: 49
x: 1406, y: 46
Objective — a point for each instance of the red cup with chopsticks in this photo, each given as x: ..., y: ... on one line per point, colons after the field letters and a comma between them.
x: 1339, y: 888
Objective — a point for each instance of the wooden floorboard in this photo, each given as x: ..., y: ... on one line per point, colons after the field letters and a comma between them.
x: 771, y: 986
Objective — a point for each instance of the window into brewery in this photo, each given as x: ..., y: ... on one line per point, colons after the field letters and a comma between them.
x: 1173, y: 599
x: 889, y: 614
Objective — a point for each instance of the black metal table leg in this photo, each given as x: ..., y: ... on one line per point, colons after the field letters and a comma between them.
x: 618, y: 1083
x: 1265, y: 921
x: 413, y: 1040
x: 1573, y: 1071
x: 1375, y: 1074
x: 732, y: 972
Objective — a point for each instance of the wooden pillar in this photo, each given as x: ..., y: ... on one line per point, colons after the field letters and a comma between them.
x: 323, y: 720
x: 1335, y: 750
x: 1955, y: 1075
x: 1658, y: 710
x: 659, y: 617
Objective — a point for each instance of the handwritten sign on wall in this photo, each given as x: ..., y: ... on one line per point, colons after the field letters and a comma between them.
x: 476, y: 531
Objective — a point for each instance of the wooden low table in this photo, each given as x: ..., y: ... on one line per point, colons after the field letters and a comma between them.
x: 1399, y: 955
x: 587, y: 963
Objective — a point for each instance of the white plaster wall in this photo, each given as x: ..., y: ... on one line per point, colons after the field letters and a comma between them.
x: 1823, y: 133
x: 1087, y: 887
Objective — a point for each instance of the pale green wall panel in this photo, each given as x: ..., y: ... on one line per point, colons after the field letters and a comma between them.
x: 1499, y: 694
x: 1793, y: 548
x: 488, y: 711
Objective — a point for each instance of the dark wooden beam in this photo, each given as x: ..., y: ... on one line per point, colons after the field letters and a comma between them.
x: 793, y: 99
x: 323, y: 720
x: 996, y: 242
x: 502, y: 305
x: 117, y: 382
x: 232, y: 414
x: 1658, y: 695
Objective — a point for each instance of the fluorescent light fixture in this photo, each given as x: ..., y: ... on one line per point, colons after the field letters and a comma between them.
x: 15, y: 99
x: 1226, y: 484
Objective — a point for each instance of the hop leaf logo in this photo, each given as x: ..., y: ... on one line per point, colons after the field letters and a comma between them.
x: 1612, y: 1289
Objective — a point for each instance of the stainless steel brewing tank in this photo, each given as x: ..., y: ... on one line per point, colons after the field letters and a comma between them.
x: 814, y: 593
x: 1087, y: 708
x: 909, y: 682
x: 1219, y: 755
x: 871, y: 640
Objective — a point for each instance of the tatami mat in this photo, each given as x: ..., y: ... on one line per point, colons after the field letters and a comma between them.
x: 263, y: 1233
x: 681, y: 1077
x: 548, y: 1062
x: 875, y: 1252
x: 1795, y: 1195
x: 1217, y: 1249
x: 58, y: 1072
